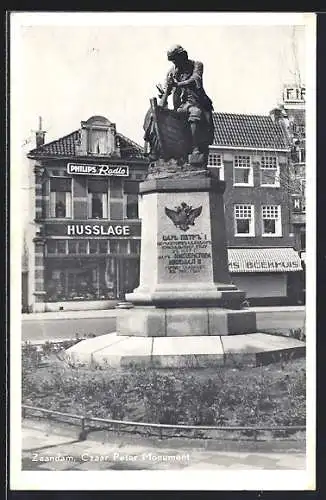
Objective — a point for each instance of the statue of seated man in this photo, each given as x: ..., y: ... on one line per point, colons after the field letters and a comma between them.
x: 185, y: 82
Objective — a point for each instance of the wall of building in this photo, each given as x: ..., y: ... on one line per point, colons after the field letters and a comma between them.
x: 256, y: 195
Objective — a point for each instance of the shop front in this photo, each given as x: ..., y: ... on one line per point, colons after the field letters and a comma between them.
x: 79, y: 270
x: 269, y: 276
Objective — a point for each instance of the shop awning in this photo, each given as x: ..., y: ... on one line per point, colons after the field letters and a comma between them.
x: 263, y: 260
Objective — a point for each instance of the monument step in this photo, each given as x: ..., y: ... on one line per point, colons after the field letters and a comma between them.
x: 184, y: 352
x: 180, y: 322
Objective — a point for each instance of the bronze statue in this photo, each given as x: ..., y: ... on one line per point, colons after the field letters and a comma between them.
x: 188, y: 129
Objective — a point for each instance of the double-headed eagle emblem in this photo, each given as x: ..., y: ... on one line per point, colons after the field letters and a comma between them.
x: 184, y: 216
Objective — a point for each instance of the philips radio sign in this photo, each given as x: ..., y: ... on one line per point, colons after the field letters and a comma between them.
x: 98, y: 170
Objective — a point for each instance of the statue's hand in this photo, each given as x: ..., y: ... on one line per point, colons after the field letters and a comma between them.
x: 160, y: 90
x: 174, y: 82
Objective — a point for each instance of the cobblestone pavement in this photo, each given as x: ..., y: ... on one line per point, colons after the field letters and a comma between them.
x: 51, y: 452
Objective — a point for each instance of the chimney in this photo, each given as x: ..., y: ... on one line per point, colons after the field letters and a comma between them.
x: 40, y: 134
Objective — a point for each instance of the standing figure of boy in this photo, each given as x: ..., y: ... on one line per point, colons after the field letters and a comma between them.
x: 185, y: 82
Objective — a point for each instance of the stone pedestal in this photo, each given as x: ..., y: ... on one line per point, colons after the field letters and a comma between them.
x: 184, y: 259
x: 185, y: 287
x: 181, y: 322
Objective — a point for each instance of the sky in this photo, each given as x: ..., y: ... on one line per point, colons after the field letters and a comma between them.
x: 69, y: 73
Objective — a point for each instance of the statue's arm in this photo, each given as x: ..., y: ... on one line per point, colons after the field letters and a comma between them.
x: 167, y: 88
x: 196, y: 77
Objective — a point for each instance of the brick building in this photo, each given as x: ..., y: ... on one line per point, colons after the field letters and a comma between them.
x: 251, y: 153
x: 86, y: 239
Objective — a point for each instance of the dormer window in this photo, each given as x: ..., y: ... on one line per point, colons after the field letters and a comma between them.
x: 97, y: 137
x: 98, y: 142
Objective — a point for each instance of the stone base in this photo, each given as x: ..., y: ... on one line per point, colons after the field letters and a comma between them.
x: 254, y: 349
x: 181, y: 322
x: 190, y: 296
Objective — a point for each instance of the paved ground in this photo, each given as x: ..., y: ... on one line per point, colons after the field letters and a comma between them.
x: 65, y: 325
x: 47, y: 451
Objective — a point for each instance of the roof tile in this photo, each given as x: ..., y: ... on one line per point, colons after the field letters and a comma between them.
x: 66, y: 146
x: 249, y: 131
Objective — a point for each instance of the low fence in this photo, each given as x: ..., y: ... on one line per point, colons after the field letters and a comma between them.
x: 159, y: 430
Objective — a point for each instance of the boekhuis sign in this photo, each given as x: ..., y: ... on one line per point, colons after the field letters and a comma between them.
x: 98, y: 170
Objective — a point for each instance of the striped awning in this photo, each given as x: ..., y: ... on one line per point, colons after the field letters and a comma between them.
x: 263, y: 260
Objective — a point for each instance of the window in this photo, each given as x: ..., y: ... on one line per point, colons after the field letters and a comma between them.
x: 242, y: 171
x: 303, y: 240
x: 215, y: 161
x: 98, y: 142
x: 116, y: 187
x: 60, y: 197
x: 98, y: 199
x: 56, y: 247
x: 271, y: 220
x: 135, y: 246
x: 103, y: 246
x: 299, y: 171
x: 244, y: 220
x: 302, y: 154
x: 269, y: 171
x: 93, y: 246
x: 61, y: 246
x: 72, y: 247
x: 131, y: 206
x: 51, y: 247
x: 119, y: 246
x: 83, y: 246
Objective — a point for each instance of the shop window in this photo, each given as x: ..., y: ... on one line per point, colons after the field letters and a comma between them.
x: 131, y: 206
x: 271, y: 220
x: 98, y: 199
x: 103, y: 246
x: 56, y: 247
x: 72, y: 247
x: 93, y: 246
x: 51, y: 247
x: 83, y: 247
x: 119, y: 246
x: 55, y: 283
x: 216, y: 161
x: 61, y: 246
x: 242, y: 171
x: 244, y: 220
x: 135, y: 247
x: 269, y: 171
x: 60, y: 197
x: 85, y: 281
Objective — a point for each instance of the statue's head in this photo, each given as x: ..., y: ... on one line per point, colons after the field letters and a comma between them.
x: 177, y: 54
